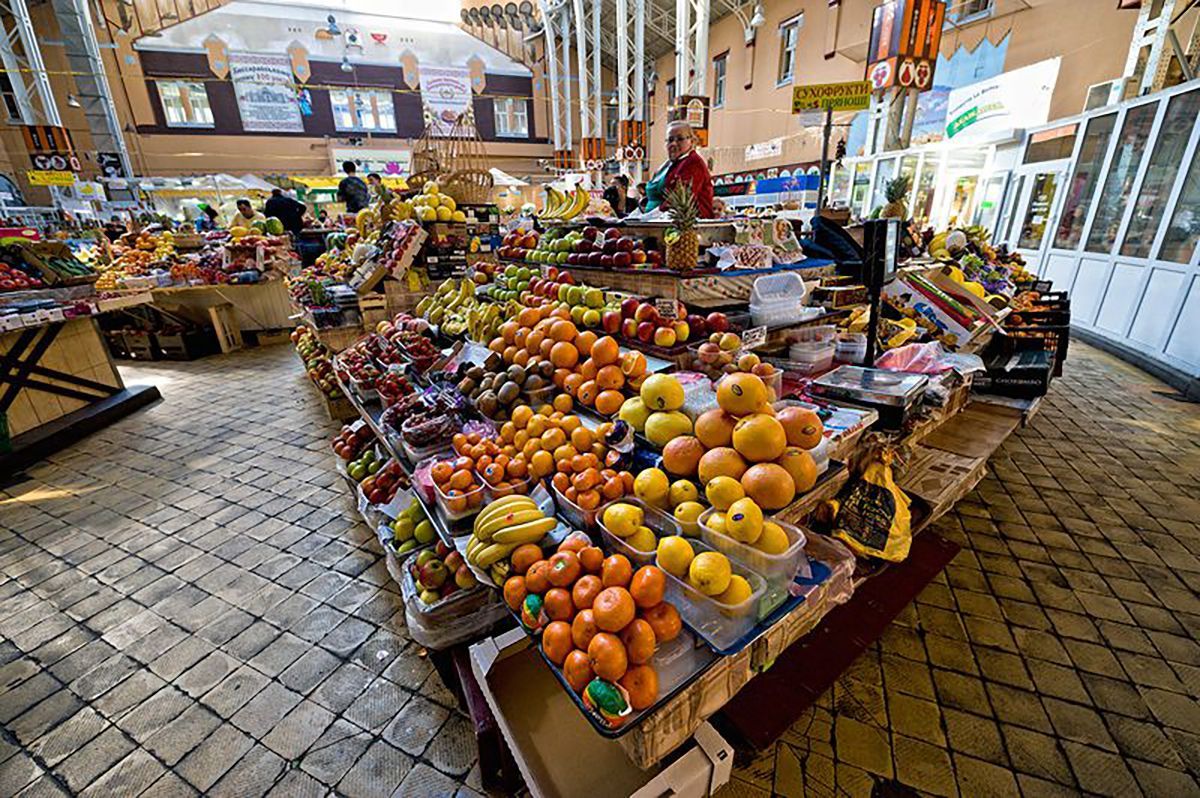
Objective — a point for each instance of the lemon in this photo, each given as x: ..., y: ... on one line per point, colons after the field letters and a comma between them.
x: 652, y: 486
x: 744, y: 521
x: 686, y: 514
x: 675, y: 555
x: 444, y: 214
x: 716, y: 522
x: 773, y: 539
x: 634, y: 413
x: 447, y: 201
x: 623, y: 519
x: 723, y: 492
x: 709, y: 573
x: 427, y: 214
x: 737, y: 592
x: 643, y: 539
x: 458, y: 216
x: 430, y: 188
x: 682, y: 491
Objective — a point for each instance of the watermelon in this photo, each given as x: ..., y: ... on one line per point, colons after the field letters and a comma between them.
x: 274, y: 226
x: 608, y: 700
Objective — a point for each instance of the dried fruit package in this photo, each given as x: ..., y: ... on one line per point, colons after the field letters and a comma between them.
x: 874, y: 519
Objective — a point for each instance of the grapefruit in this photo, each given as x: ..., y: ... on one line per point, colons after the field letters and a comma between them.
x: 663, y: 426
x: 803, y: 426
x: 662, y: 392
x: 740, y: 394
x: 722, y: 461
x: 770, y: 486
x: 715, y: 428
x: 682, y: 455
x: 759, y: 438
x: 801, y: 466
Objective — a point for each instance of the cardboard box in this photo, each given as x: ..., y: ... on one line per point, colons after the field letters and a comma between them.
x: 549, y: 737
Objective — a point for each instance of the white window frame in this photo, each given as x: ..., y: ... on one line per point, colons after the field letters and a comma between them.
x: 186, y: 92
x: 671, y: 93
x: 789, y: 25
x: 720, y: 77
x: 953, y: 12
x: 346, y: 95
x: 515, y: 113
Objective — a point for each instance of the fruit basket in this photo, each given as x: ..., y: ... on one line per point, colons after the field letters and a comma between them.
x: 723, y: 626
x: 661, y: 524
x: 779, y: 570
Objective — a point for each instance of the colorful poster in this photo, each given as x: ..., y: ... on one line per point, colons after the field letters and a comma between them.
x: 446, y: 95
x: 266, y: 94
x: 1016, y: 99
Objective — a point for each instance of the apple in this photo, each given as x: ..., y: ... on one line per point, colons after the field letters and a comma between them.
x: 583, y: 246
x: 463, y: 577
x: 664, y: 337
x: 697, y: 324
x: 433, y: 574
x: 567, y: 278
x: 610, y: 246
x: 625, y: 244
x: 611, y: 321
x: 637, y: 256
x: 590, y: 233
x: 595, y: 258
x: 717, y: 322
x: 606, y: 261
x: 612, y: 232
x: 552, y: 274
x: 709, y: 352
x: 654, y: 257
x: 645, y: 331
x: 682, y: 331
x: 621, y: 259
x: 646, y: 312
x: 629, y: 307
x: 629, y: 328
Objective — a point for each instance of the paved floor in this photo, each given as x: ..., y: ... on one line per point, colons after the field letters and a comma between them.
x: 187, y: 606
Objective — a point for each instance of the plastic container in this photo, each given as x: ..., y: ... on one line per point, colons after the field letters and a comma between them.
x: 721, y: 626
x: 851, y: 347
x: 779, y: 570
x: 777, y: 289
x: 818, y: 333
x: 475, y: 497
x: 811, y: 357
x: 659, y: 522
x: 572, y: 513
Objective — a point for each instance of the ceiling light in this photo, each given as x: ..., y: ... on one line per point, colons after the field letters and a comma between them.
x: 760, y: 18
x: 73, y: 101
x: 333, y: 28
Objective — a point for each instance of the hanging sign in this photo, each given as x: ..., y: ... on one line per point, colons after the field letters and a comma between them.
x: 218, y: 55
x: 446, y: 95
x: 903, y: 48
x: 266, y: 94
x: 412, y: 72
x: 50, y: 177
x: 694, y: 110
x: 1016, y: 99
x: 854, y: 95
x: 300, y: 66
x: 667, y: 308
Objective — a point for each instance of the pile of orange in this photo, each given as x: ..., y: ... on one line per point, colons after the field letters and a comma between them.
x: 590, y: 368
x: 598, y: 617
x: 480, y: 460
x: 581, y: 472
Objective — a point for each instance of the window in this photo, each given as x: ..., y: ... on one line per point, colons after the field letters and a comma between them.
x: 962, y: 11
x: 11, y: 109
x: 922, y: 207
x: 671, y: 93
x: 610, y: 122
x: 1160, y: 174
x: 1041, y: 201
x: 1110, y: 206
x: 1082, y: 185
x: 719, y: 64
x: 512, y: 117
x: 1184, y: 229
x: 355, y: 110
x: 185, y: 103
x: 884, y: 171
x: 789, y: 35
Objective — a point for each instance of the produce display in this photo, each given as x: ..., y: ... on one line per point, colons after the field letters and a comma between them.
x: 318, y: 362
x: 510, y: 524
x: 412, y: 528
x: 440, y: 572
x: 16, y: 274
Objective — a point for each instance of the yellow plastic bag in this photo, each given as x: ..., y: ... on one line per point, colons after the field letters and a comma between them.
x: 874, y: 519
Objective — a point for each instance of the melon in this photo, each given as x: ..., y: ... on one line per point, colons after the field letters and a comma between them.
x: 759, y: 438
x: 770, y: 485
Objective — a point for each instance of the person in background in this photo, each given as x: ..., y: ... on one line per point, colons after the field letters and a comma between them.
x: 206, y: 220
x: 323, y: 218
x: 287, y: 210
x: 379, y: 191
x: 352, y: 190
x: 114, y: 229
x: 246, y: 215
x: 617, y: 196
x: 683, y: 163
x: 639, y: 197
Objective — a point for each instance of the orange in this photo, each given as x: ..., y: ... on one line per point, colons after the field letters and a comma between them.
x: 577, y: 670
x: 510, y: 352
x: 583, y: 629
x: 587, y: 369
x: 514, y: 592
x: 521, y: 338
x: 586, y: 588
x: 508, y: 431
x: 563, y: 331
x: 759, y: 438
x: 586, y: 479
x: 441, y: 472
x: 613, y: 488
x: 521, y: 357
x: 460, y: 441
x: 527, y: 317
x: 614, y: 609
x: 558, y: 604
x: 456, y: 502
x: 572, y: 382
x: 641, y: 682
x: 508, y: 331
x: 524, y: 556
x: 564, y: 453
x: 648, y: 586
x: 771, y: 486
x: 561, y: 482
x: 521, y: 415
x: 740, y: 393
x: 541, y: 464
x: 462, y: 480
x: 587, y: 393
x: 721, y: 462
x: 681, y: 455
x: 564, y: 568
x: 563, y: 403
x: 610, y: 377
x: 584, y: 342
x: 609, y: 402
x: 533, y: 342
x: 803, y: 426
x: 639, y: 641
x: 605, y: 351
x: 547, y: 345
x: 616, y: 571
x: 536, y: 426
x: 591, y: 558
x: 588, y: 499
x: 564, y: 355
x: 517, y: 468
x: 535, y: 577
x: 581, y: 438
x: 714, y: 428
x: 607, y: 656
x: 664, y: 620
x: 553, y: 438
x: 496, y: 344
x: 633, y: 364
x: 556, y: 641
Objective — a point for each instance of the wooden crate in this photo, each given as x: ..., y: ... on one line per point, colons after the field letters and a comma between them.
x: 339, y: 409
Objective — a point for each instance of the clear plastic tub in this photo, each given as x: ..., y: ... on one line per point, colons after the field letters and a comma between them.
x: 572, y: 513
x: 786, y: 286
x: 660, y: 523
x: 779, y: 570
x: 474, y: 502
x: 811, y: 356
x: 818, y: 333
x: 851, y: 347
x: 719, y: 625
x: 524, y: 487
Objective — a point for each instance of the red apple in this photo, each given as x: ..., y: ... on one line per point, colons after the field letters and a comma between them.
x: 629, y: 328
x: 606, y: 261
x: 645, y: 331
x: 698, y: 325
x: 654, y: 257
x: 611, y: 321
x: 621, y: 260
x: 646, y: 312
x: 625, y: 244
x: 612, y: 232
x: 637, y: 256
x: 610, y: 246
x: 590, y: 233
x: 717, y: 322
x: 629, y: 307
x: 664, y: 337
x: 594, y: 258
x: 552, y: 273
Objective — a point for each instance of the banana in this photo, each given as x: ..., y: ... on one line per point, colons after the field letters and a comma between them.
x: 578, y: 203
x: 555, y: 200
x: 500, y: 571
x: 474, y: 545
x: 495, y: 527
x: 528, y: 532
x: 502, y: 505
x: 493, y: 553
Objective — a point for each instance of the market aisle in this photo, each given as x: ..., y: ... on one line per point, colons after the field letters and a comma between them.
x: 185, y: 607
x: 1058, y: 652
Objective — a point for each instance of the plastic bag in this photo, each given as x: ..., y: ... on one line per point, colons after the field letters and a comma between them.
x: 928, y: 358
x: 874, y: 519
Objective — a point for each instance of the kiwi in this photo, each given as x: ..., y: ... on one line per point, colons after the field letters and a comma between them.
x: 467, y: 386
x: 547, y: 369
x: 476, y: 372
x: 516, y: 374
x: 487, y: 403
x: 508, y: 393
x: 534, y: 382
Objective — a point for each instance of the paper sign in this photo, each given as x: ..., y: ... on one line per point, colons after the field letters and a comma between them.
x: 667, y: 308
x: 754, y: 337
x: 853, y: 95
x: 47, y: 177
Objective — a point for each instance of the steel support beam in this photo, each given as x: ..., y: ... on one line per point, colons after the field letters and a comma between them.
x: 557, y: 30
x: 691, y: 46
x: 631, y: 72
x: 27, y: 66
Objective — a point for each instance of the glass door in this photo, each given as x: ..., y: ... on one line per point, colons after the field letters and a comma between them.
x: 1041, y: 185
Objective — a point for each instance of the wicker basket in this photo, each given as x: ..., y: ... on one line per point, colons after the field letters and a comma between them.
x: 470, y: 186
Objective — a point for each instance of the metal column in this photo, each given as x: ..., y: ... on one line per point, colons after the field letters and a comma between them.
x: 587, y: 52
x: 691, y: 46
x: 631, y: 82
x: 557, y: 20
x: 26, y: 71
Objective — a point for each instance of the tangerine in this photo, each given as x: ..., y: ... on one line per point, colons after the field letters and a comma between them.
x: 577, y: 670
x: 582, y: 438
x: 584, y: 593
x: 572, y: 382
x: 648, y: 586
x: 514, y: 592
x: 588, y: 369
x: 641, y: 683
x: 441, y: 472
x: 592, y: 559
x: 610, y: 377
x: 639, y: 641
x: 633, y: 365
x: 607, y: 656
x: 576, y: 541
x: 563, y: 403
x: 563, y: 330
x: 583, y: 628
x: 541, y: 464
x: 664, y: 620
x: 609, y: 402
x: 614, y: 609
x: 613, y: 488
x: 605, y: 351
x: 588, y: 499
x: 524, y: 556
x: 556, y: 641
x: 533, y: 342
x: 561, y: 481
x: 536, y: 580
x: 584, y: 342
x: 564, y: 568
x: 558, y: 605
x: 587, y: 393
x: 616, y: 571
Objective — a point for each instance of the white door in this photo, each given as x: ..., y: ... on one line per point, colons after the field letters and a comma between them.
x: 1040, y: 194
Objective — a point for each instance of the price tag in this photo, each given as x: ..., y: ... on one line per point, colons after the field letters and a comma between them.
x: 667, y: 308
x: 754, y: 337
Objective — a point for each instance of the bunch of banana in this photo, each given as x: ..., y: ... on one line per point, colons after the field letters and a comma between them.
x: 502, y: 526
x: 564, y: 206
x: 937, y: 247
x: 483, y: 322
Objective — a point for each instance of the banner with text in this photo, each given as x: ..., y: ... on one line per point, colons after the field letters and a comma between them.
x: 266, y: 94
x: 853, y: 95
x: 1016, y: 99
x: 446, y: 94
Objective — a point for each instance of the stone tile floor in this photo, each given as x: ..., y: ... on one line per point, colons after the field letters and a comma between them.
x: 189, y: 606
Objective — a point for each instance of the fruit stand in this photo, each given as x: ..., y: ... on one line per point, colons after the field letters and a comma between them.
x: 632, y: 506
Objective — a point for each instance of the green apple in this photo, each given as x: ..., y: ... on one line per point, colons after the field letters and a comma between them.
x: 424, y: 533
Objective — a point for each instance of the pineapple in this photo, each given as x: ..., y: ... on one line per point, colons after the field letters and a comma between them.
x: 896, y: 192
x: 683, y: 242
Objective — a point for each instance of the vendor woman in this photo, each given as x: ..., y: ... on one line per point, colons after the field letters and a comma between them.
x: 683, y: 163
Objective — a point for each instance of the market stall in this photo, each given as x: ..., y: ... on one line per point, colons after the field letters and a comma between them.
x: 628, y: 508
